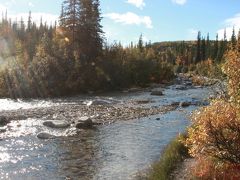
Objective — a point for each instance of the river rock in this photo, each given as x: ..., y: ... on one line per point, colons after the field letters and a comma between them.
x: 175, y: 103
x: 185, y: 104
x: 59, y: 124
x: 180, y: 87
x: 188, y: 83
x: 144, y: 101
x: 97, y: 102
x: 134, y: 89
x: 4, y: 121
x: 3, y: 130
x: 84, y: 123
x: 44, y: 135
x: 157, y: 93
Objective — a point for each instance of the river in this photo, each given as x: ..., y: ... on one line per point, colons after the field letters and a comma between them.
x: 112, y: 151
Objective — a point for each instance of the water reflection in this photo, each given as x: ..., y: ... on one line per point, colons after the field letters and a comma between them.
x: 77, y: 156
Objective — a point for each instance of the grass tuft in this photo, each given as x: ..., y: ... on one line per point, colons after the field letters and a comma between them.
x: 173, y: 154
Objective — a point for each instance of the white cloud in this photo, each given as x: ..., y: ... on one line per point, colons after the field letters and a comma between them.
x: 234, y: 21
x: 30, y: 4
x: 192, y: 34
x: 180, y: 2
x: 138, y: 3
x: 228, y: 30
x: 130, y: 18
x: 229, y: 24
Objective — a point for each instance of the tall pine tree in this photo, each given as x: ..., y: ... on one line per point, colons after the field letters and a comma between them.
x: 215, y: 49
x: 198, y: 57
x: 80, y: 20
x: 233, y: 38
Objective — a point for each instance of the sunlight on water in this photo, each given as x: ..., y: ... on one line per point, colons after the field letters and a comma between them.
x: 4, y: 157
x: 22, y: 128
x: 33, y: 127
x: 9, y: 104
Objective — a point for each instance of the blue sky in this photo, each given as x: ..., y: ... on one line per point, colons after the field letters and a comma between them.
x: 157, y: 20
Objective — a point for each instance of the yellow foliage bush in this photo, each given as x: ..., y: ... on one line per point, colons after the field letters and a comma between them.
x: 206, y: 168
x: 232, y: 70
x: 216, y: 132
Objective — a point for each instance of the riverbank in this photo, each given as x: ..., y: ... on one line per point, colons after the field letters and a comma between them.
x: 175, y: 162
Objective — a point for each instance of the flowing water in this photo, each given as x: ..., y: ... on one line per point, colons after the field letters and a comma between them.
x: 115, y: 151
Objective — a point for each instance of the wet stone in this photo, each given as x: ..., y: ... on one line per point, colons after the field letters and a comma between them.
x: 56, y: 124
x: 84, y: 123
x: 4, y: 121
x: 185, y: 104
x: 3, y: 130
x: 181, y: 87
x: 44, y: 135
x: 157, y: 93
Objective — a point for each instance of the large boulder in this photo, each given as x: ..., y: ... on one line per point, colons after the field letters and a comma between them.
x: 84, y: 123
x: 58, y: 124
x: 45, y: 135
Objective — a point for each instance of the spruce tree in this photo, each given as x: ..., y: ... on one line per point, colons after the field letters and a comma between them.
x: 238, y: 41
x: 233, y: 39
x: 208, y: 47
x: 69, y: 21
x: 215, y: 49
x: 203, y: 49
x: 91, y: 34
x: 29, y: 23
x: 80, y: 20
x: 140, y: 43
x: 198, y: 57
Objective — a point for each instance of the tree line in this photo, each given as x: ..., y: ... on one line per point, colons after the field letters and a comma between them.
x: 72, y: 57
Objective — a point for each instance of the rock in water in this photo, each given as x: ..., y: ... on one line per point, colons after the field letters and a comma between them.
x: 101, y: 102
x: 58, y: 124
x: 185, y: 104
x: 44, y: 135
x: 4, y: 121
x: 3, y: 130
x: 181, y: 87
x: 157, y: 93
x: 84, y: 123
